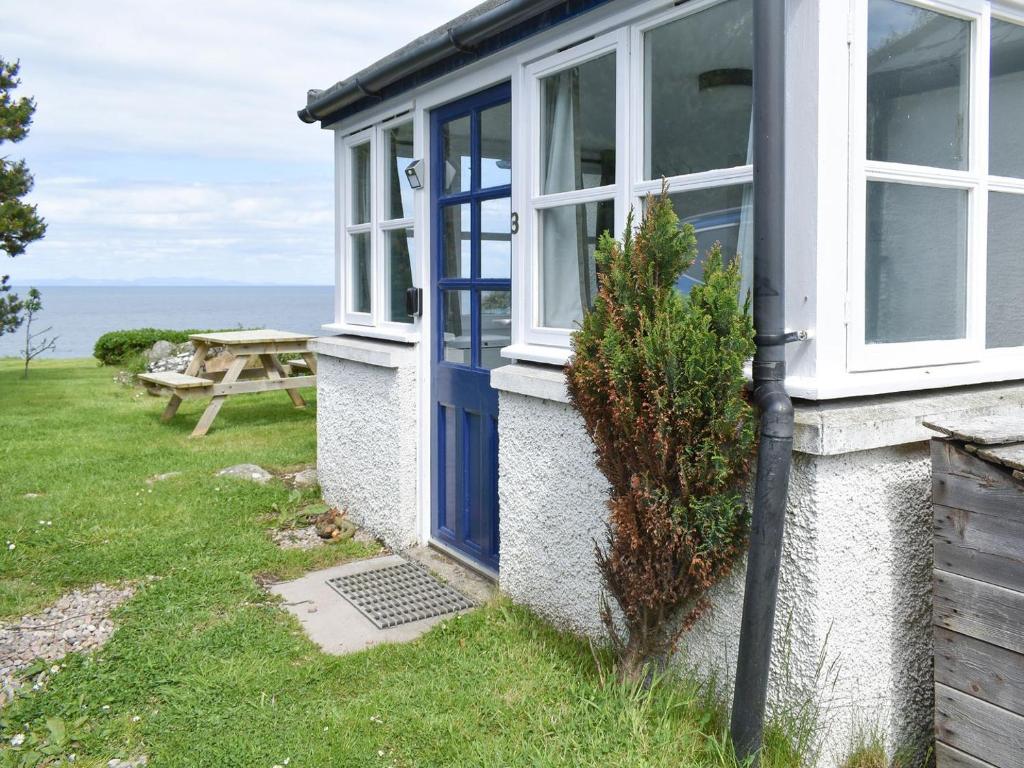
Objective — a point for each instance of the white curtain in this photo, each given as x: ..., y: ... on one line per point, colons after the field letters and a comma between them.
x: 567, y: 277
x: 745, y: 238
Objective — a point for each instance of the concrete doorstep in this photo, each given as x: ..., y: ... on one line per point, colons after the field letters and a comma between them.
x: 337, y: 626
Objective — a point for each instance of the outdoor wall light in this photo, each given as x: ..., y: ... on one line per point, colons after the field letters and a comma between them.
x: 413, y: 172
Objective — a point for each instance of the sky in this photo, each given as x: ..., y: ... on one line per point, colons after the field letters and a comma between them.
x: 165, y: 142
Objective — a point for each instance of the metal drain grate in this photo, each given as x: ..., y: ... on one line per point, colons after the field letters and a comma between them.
x: 398, y: 594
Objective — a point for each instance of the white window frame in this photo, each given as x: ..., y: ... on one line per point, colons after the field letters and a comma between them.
x: 349, y: 144
x: 617, y: 43
x: 975, y: 181
x: 375, y: 323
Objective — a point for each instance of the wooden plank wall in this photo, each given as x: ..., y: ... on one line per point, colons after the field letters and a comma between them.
x: 978, y: 610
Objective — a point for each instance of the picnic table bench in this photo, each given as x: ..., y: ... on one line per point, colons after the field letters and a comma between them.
x: 241, y: 376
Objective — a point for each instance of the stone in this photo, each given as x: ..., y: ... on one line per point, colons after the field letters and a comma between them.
x: 305, y: 479
x: 160, y: 350
x: 161, y: 477
x: 253, y: 472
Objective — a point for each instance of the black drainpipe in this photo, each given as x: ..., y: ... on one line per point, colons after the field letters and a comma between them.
x: 775, y: 451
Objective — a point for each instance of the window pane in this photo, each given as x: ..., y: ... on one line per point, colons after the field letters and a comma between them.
x: 568, y: 280
x: 718, y: 214
x: 1004, y: 313
x: 697, y: 80
x: 361, y: 175
x: 918, y: 73
x: 398, y: 155
x: 458, y: 165
x: 456, y: 323
x: 457, y: 241
x: 496, y: 146
x: 401, y: 268
x: 577, y: 126
x: 496, y: 238
x: 359, y: 273
x: 495, y: 327
x: 916, y: 263
x: 1006, y: 105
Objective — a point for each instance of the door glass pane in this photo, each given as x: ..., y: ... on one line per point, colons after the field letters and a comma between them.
x: 1006, y: 100
x: 401, y: 247
x: 398, y: 155
x: 496, y: 238
x: 361, y: 175
x: 495, y: 327
x: 916, y: 260
x: 718, y: 214
x: 698, y: 73
x: 457, y: 242
x: 1004, y: 313
x: 455, y: 148
x: 496, y: 146
x: 577, y: 119
x: 457, y: 327
x: 359, y: 273
x: 918, y: 74
x: 568, y: 276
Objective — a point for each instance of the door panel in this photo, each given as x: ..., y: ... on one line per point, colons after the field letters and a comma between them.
x: 472, y: 252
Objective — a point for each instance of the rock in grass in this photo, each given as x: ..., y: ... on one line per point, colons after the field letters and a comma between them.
x: 253, y: 472
x: 305, y: 479
x: 161, y: 477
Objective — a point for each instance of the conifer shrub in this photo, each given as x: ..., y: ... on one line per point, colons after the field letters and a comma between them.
x: 658, y: 379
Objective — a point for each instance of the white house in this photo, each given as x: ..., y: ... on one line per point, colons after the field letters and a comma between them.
x: 475, y: 169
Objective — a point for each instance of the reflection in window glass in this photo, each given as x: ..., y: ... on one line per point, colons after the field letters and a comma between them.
x: 723, y: 215
x: 1006, y: 100
x: 568, y: 278
x: 698, y: 76
x: 496, y: 238
x: 457, y: 327
x: 457, y: 241
x: 361, y: 176
x: 359, y: 280
x: 398, y: 154
x: 455, y: 144
x: 918, y: 71
x: 495, y: 327
x: 1004, y: 314
x: 401, y: 247
x: 496, y: 146
x: 577, y: 120
x: 916, y: 258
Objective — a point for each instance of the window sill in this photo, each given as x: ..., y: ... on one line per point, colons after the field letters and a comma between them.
x: 544, y: 382
x: 410, y: 336
x: 384, y: 354
x: 536, y: 353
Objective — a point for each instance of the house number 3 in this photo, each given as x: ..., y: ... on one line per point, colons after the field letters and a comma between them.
x: 515, y: 223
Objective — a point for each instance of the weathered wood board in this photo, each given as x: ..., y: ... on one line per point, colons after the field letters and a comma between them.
x: 978, y: 595
x: 1008, y: 455
x: 981, y: 430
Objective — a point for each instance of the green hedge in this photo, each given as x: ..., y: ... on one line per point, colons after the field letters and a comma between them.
x: 117, y: 347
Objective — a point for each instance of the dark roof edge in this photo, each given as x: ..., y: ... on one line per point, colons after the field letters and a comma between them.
x: 458, y: 38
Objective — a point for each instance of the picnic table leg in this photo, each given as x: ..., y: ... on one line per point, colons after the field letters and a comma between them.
x: 230, y: 376
x: 310, y: 359
x: 190, y: 370
x: 275, y: 371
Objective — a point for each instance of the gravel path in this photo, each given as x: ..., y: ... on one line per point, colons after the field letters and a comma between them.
x: 79, y: 621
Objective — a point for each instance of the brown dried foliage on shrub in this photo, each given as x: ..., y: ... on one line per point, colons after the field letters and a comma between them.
x: 658, y: 378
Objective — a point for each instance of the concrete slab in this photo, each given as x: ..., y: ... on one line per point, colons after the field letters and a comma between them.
x: 332, y: 622
x: 467, y: 581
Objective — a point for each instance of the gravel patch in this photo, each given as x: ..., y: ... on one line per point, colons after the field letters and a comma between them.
x: 298, y: 538
x: 79, y: 621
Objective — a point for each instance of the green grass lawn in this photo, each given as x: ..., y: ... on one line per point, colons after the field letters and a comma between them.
x: 206, y: 670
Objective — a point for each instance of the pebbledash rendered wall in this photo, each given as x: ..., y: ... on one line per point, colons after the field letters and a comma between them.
x: 854, y: 617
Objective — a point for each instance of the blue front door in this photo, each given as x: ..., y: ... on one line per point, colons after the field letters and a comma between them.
x: 471, y: 178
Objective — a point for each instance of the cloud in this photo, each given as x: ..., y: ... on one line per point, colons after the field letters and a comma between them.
x: 160, y: 126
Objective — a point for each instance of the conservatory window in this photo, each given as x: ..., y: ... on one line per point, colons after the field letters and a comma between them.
x: 697, y: 97
x: 577, y: 123
x: 379, y: 256
x: 943, y: 193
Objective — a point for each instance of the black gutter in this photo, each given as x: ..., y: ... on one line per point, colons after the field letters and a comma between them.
x: 775, y: 451
x: 457, y: 38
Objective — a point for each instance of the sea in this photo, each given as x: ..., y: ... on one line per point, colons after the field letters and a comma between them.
x: 78, y: 315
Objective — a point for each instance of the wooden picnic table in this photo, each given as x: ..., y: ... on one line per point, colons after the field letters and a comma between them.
x: 241, y: 375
